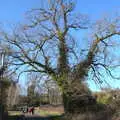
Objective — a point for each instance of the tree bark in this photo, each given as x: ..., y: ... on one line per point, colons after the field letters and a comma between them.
x: 77, y: 98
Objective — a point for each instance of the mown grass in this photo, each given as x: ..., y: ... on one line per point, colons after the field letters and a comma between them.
x: 12, y: 113
x: 48, y: 113
x: 37, y: 112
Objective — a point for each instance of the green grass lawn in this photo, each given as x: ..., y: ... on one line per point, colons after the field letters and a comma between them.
x: 12, y: 113
x: 48, y: 113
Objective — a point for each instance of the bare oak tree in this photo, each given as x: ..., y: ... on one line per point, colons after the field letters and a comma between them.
x: 47, y: 45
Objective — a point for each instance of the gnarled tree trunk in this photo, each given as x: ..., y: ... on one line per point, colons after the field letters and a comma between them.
x: 76, y: 95
x: 77, y: 98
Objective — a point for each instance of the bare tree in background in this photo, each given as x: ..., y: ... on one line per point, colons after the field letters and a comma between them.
x: 53, y: 92
x: 13, y: 94
x: 47, y: 45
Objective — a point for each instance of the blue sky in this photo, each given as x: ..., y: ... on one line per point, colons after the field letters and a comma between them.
x: 13, y: 11
x: 96, y: 8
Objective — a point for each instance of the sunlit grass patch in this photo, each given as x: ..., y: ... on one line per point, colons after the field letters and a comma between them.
x: 47, y: 113
x: 14, y: 113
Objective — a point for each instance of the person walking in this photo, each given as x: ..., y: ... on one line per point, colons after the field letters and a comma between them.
x: 32, y: 110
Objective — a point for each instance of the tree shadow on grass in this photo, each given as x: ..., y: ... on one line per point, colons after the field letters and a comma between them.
x: 22, y: 117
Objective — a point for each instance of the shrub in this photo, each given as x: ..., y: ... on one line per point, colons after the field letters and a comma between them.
x: 110, y: 98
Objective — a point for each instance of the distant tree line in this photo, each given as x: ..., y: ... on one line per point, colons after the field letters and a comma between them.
x: 49, y: 94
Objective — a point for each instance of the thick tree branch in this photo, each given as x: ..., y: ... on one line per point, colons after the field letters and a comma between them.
x: 92, y: 50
